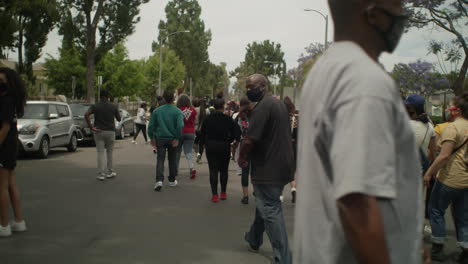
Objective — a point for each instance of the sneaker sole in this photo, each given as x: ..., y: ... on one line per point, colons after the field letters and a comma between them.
x: 158, y: 189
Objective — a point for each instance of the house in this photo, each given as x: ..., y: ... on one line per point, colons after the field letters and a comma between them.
x: 40, y: 87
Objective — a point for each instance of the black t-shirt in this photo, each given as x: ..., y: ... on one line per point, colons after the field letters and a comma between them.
x: 272, y: 157
x: 9, y: 148
x: 218, y: 131
x: 104, y: 115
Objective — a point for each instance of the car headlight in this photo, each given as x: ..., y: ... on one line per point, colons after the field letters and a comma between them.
x: 28, y: 129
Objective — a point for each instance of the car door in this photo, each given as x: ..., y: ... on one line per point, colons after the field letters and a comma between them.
x: 65, y: 123
x: 54, y: 126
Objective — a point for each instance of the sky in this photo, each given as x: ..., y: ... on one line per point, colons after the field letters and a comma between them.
x: 235, y: 23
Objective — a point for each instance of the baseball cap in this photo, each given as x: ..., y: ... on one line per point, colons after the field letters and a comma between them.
x: 415, y: 99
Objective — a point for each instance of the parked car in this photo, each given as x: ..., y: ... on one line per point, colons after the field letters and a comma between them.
x: 78, y: 113
x: 125, y: 126
x: 47, y: 125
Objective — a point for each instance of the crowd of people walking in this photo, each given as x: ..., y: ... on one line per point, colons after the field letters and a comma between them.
x: 362, y: 153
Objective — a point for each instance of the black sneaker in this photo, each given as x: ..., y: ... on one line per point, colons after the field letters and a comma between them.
x: 463, y: 258
x: 293, y: 194
x: 245, y: 200
x: 437, y: 252
x: 250, y: 247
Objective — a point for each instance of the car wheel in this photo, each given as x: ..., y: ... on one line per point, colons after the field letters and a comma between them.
x: 73, y: 145
x: 43, y: 148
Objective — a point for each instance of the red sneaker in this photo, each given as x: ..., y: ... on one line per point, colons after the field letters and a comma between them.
x: 223, y: 196
x: 215, y: 198
x: 193, y: 174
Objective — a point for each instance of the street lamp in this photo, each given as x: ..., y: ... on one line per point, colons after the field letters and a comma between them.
x: 273, y: 63
x: 160, y: 54
x: 326, y: 23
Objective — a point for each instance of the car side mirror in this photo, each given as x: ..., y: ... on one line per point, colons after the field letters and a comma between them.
x: 53, y: 116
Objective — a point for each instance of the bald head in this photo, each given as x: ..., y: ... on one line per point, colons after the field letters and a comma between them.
x: 256, y: 80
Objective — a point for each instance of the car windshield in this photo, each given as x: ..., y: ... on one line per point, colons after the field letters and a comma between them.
x: 36, y: 111
x: 79, y: 109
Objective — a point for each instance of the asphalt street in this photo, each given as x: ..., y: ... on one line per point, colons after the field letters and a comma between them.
x: 75, y: 219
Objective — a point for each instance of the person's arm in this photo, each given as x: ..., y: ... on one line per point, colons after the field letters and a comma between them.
x: 431, y: 152
x: 203, y: 132
x: 117, y: 114
x: 363, y: 227
x: 4, y: 131
x: 179, y: 127
x: 246, y: 148
x: 88, y: 119
x: 440, y: 161
x: 153, y: 124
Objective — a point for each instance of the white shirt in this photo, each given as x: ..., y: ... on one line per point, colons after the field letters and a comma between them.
x: 141, y: 117
x: 423, y: 134
x: 357, y: 139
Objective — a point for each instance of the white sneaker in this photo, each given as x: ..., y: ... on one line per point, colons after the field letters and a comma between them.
x: 5, y: 231
x: 173, y: 184
x: 101, y: 177
x: 134, y: 142
x: 18, y: 226
x: 281, y: 198
x: 111, y: 175
x: 428, y: 229
x: 158, y: 186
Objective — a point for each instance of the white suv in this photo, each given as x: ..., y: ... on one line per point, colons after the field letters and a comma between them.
x: 47, y: 125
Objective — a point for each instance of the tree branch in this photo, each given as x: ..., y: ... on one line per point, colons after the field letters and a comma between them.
x: 462, y: 7
x: 99, y: 11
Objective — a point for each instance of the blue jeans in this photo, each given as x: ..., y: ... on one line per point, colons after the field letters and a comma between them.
x: 269, y: 218
x: 442, y: 196
x: 186, y: 144
x: 164, y: 145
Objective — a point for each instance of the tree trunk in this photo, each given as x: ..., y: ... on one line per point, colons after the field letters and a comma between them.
x: 20, y: 46
x: 459, y: 83
x: 90, y: 64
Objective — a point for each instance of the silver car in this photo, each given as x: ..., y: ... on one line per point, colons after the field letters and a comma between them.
x: 47, y: 125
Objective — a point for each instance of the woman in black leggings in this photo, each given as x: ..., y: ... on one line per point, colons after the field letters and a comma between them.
x: 217, y: 133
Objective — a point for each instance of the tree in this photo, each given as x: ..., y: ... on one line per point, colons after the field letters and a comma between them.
x: 298, y: 75
x: 419, y: 77
x: 265, y: 57
x: 173, y: 72
x: 448, y: 15
x: 191, y: 48
x: 9, y: 27
x: 121, y: 76
x: 115, y: 20
x: 35, y: 20
x: 216, y: 80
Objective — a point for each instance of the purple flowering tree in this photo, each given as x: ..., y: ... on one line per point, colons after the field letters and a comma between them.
x: 450, y: 16
x: 419, y: 77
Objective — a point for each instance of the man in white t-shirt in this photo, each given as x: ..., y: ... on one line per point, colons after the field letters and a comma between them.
x: 359, y: 176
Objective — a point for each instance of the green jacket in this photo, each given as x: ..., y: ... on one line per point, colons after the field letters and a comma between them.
x: 166, y: 122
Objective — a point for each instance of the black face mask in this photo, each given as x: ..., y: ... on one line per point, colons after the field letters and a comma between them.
x: 255, y: 94
x: 3, y: 88
x: 393, y: 35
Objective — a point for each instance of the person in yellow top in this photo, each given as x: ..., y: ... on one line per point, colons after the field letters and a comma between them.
x: 451, y: 185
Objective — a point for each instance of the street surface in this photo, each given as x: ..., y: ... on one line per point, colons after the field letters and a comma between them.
x: 75, y: 219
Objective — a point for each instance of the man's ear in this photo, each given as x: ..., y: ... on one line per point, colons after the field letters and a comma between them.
x: 371, y: 14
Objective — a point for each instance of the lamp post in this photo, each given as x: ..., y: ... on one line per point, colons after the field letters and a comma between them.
x: 273, y: 63
x: 161, y: 57
x: 326, y: 23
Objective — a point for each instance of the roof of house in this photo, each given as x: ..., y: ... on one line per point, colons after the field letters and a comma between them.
x: 8, y: 64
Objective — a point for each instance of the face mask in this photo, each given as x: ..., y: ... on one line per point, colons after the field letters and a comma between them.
x: 255, y: 94
x: 3, y: 88
x: 393, y: 35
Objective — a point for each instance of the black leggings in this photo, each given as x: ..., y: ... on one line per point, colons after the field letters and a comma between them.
x: 197, y: 144
x: 218, y: 163
x: 245, y: 176
x: 142, y: 128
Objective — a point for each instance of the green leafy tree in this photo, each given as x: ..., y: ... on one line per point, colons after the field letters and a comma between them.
x: 191, y: 48
x: 173, y: 73
x: 121, y: 76
x: 35, y: 20
x: 114, y: 19
x: 450, y: 16
x: 9, y: 26
x: 265, y: 57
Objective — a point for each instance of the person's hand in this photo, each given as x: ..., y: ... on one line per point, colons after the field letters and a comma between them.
x: 96, y: 129
x: 427, y: 179
x: 175, y: 143
x: 243, y: 163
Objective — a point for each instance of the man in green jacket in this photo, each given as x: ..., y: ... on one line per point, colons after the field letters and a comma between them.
x: 164, y: 130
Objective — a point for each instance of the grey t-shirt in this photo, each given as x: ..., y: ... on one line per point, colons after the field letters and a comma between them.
x: 272, y: 158
x: 355, y: 137
x: 104, y: 114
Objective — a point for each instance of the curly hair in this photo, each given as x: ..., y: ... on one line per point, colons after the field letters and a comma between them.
x: 16, y: 89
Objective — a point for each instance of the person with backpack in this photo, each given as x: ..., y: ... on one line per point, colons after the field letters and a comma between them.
x: 450, y: 171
